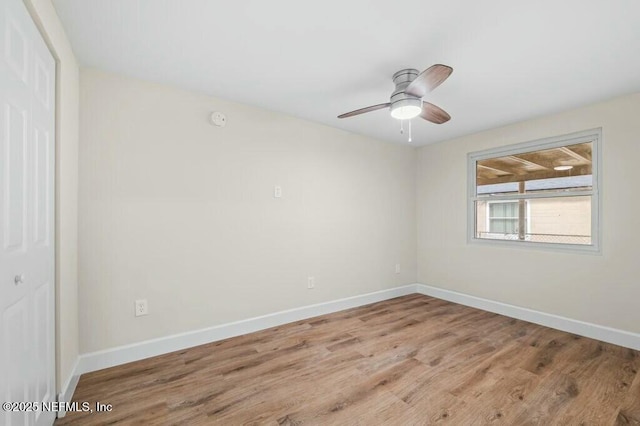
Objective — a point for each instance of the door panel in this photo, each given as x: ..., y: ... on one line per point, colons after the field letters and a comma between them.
x: 15, y: 329
x: 42, y: 194
x: 27, y: 267
x: 15, y: 153
x: 43, y: 344
x: 16, y: 53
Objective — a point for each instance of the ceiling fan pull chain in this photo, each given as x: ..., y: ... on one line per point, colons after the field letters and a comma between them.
x: 409, y: 131
x: 401, y: 127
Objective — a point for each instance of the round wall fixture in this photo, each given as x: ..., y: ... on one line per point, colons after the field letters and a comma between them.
x: 218, y: 119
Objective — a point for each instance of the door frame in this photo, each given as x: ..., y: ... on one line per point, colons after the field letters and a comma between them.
x: 56, y: 169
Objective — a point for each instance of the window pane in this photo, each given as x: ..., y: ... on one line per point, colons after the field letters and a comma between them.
x: 500, y: 188
x: 496, y: 210
x: 556, y: 220
x: 503, y: 210
x: 572, y: 183
x: 565, y: 220
x: 503, y: 226
x: 561, y: 168
x: 500, y: 219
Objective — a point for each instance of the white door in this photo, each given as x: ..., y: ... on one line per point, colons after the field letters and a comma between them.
x: 27, y: 120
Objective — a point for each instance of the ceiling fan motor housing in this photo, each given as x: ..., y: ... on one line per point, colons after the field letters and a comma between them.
x: 399, y: 98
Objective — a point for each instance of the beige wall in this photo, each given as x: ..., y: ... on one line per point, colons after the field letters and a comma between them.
x: 599, y: 289
x: 177, y: 211
x: 67, y: 105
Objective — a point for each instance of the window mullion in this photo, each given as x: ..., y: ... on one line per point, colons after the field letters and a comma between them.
x: 532, y: 195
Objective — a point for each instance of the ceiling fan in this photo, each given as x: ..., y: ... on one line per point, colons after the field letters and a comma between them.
x: 406, y: 100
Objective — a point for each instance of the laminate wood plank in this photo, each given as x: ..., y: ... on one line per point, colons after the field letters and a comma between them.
x: 505, y: 399
x: 357, y: 395
x: 600, y: 393
x: 549, y: 400
x: 269, y: 395
x: 413, y: 360
x: 279, y: 401
x: 629, y: 412
x: 502, y: 330
x: 438, y: 376
x: 431, y: 406
x: 421, y: 338
x: 455, y: 354
x: 542, y: 360
x: 485, y: 374
x: 318, y: 335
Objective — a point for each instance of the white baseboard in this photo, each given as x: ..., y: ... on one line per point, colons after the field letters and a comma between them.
x: 594, y: 331
x: 69, y: 388
x: 137, y: 351
x: 123, y: 354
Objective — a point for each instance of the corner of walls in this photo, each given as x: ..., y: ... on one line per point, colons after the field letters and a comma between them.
x: 581, y: 328
x: 69, y: 387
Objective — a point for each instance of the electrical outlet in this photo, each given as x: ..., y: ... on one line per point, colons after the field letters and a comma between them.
x: 141, y: 307
x: 397, y: 268
x: 277, y: 192
x: 311, y: 282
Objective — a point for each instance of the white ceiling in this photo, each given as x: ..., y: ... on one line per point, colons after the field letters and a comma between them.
x: 512, y: 60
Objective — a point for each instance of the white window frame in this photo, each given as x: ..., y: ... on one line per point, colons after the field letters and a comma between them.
x: 595, y: 137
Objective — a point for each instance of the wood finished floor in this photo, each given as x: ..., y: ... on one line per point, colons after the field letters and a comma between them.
x: 413, y: 360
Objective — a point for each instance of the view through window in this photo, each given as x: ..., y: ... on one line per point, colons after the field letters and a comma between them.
x: 536, y: 194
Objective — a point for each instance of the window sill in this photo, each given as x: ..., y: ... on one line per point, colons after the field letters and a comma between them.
x: 590, y: 249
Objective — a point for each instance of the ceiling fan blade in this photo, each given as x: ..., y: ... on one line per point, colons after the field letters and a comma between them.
x: 428, y: 80
x: 363, y: 110
x: 434, y: 114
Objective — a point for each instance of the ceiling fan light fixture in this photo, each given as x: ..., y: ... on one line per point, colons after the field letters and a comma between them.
x: 406, y: 109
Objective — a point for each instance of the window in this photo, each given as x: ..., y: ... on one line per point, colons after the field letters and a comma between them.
x: 537, y: 194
